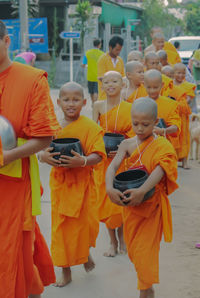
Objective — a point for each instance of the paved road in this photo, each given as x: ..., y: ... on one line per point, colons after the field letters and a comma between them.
x: 115, y: 277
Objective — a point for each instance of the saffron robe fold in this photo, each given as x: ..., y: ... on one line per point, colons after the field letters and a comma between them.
x: 170, y: 48
x: 145, y: 224
x: 1, y: 154
x: 72, y: 198
x: 179, y: 94
x: 26, y: 103
x: 105, y: 64
x: 167, y: 85
x: 168, y: 110
x: 139, y: 92
x: 110, y: 213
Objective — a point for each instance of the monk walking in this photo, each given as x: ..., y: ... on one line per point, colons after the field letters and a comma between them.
x: 26, y: 103
x: 145, y: 222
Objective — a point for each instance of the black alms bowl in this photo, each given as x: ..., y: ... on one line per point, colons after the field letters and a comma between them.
x: 65, y: 145
x: 161, y: 123
x: 112, y: 141
x: 132, y: 179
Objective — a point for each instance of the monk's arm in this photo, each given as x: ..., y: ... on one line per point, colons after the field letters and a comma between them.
x: 79, y: 161
x: 136, y: 196
x: 32, y: 146
x: 166, y: 131
x: 95, y: 113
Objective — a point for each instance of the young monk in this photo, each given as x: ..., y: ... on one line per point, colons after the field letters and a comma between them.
x: 135, y: 56
x: 167, y: 108
x: 113, y: 115
x: 158, y: 42
x: 135, y: 76
x: 168, y: 71
x: 26, y: 103
x: 145, y: 222
x: 152, y: 61
x: 163, y: 57
x: 189, y: 90
x: 71, y: 183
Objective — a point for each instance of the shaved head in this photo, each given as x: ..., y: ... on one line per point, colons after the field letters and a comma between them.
x: 158, y: 35
x: 156, y: 29
x: 112, y: 73
x: 3, y: 30
x: 72, y: 87
x: 131, y: 66
x: 150, y: 55
x: 162, y: 54
x: 153, y: 74
x: 145, y: 105
x: 179, y: 66
x: 135, y: 56
x: 168, y: 71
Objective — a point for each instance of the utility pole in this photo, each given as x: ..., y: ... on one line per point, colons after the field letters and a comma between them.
x: 23, y: 15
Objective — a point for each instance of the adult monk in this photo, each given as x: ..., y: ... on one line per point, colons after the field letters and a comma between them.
x: 145, y: 222
x: 26, y: 103
x: 110, y: 61
x: 168, y: 46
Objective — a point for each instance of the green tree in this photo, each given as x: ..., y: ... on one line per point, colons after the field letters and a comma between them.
x: 33, y: 8
x: 192, y: 20
x: 83, y: 14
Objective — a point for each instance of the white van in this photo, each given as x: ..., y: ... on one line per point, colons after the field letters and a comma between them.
x: 188, y: 44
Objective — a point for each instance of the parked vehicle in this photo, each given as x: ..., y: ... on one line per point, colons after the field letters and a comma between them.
x: 188, y: 44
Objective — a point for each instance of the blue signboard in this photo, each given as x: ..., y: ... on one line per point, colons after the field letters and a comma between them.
x: 65, y: 35
x: 38, y: 34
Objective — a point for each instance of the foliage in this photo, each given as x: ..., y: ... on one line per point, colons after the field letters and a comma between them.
x: 33, y: 8
x: 52, y: 72
x: 192, y: 20
x: 155, y: 13
x: 83, y: 14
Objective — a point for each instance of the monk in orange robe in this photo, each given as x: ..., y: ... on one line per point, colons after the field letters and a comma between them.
x: 114, y: 115
x: 152, y: 61
x: 135, y: 76
x: 167, y: 109
x: 189, y: 90
x: 168, y: 71
x: 145, y: 221
x: 71, y: 180
x: 26, y: 103
x: 110, y: 61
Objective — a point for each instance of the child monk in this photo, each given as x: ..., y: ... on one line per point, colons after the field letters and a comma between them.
x: 113, y: 114
x: 167, y: 108
x: 135, y: 56
x: 163, y: 57
x: 189, y: 90
x: 145, y: 222
x: 135, y: 76
x: 152, y: 61
x: 71, y: 183
x: 168, y: 71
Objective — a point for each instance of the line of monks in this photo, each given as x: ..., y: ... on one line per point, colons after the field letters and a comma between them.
x: 81, y: 196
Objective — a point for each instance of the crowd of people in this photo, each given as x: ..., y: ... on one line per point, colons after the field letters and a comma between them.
x: 149, y: 102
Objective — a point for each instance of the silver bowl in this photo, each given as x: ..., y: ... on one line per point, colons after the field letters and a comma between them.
x: 7, y: 134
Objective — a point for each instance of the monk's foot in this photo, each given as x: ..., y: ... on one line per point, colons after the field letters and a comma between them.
x: 122, y: 247
x: 185, y: 164
x: 65, y: 279
x: 35, y: 296
x: 112, y: 251
x: 151, y: 293
x: 90, y: 264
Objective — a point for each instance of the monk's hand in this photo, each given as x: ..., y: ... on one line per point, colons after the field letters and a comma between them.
x: 133, y: 197
x: 48, y: 156
x: 112, y: 154
x: 116, y: 196
x: 72, y: 162
x: 159, y: 131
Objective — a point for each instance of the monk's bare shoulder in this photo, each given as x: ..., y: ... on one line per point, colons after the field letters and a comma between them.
x: 128, y: 145
x: 99, y: 106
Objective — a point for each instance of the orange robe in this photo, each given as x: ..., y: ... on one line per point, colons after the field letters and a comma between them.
x: 139, y: 92
x: 145, y: 224
x: 167, y: 85
x: 110, y: 213
x: 171, y: 51
x: 71, y: 190
x: 26, y: 103
x: 168, y: 110
x: 105, y: 64
x: 1, y: 154
x: 185, y: 89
